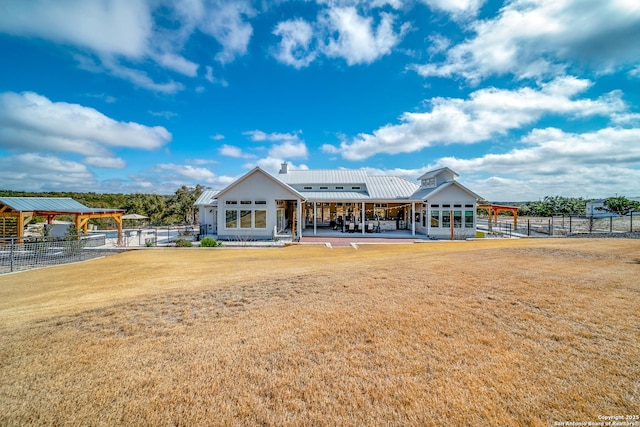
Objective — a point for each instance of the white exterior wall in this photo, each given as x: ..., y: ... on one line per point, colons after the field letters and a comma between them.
x: 208, y: 218
x: 452, y: 196
x: 254, y: 188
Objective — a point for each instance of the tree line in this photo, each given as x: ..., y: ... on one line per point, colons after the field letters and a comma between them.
x: 559, y: 205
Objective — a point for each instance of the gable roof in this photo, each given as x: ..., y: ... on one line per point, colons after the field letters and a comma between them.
x: 425, y: 193
x: 258, y: 170
x: 435, y: 172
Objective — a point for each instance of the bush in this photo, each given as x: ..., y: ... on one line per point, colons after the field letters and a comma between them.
x: 209, y: 242
x: 183, y: 243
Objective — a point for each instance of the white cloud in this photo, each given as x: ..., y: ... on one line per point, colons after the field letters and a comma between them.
x: 289, y: 150
x: 273, y: 165
x: 487, y: 112
x: 232, y: 151
x: 457, y: 8
x: 554, y: 162
x: 178, y: 63
x: 119, y: 27
x: 30, y: 121
x: 174, y: 175
x: 226, y: 22
x: 217, y: 137
x: 259, y: 136
x: 105, y: 162
x: 37, y: 172
x: 357, y: 41
x: 533, y: 38
x: 296, y: 43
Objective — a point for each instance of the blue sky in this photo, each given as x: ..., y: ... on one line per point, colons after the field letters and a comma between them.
x: 523, y: 98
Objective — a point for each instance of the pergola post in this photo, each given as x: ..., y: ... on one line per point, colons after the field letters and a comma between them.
x: 362, y: 216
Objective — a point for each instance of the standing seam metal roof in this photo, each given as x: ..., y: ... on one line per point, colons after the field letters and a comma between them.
x: 50, y: 204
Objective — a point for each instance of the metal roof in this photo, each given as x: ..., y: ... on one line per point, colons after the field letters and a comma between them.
x: 387, y: 187
x: 208, y: 197
x: 323, y: 176
x: 50, y: 204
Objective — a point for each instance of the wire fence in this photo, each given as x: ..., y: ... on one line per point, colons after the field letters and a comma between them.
x: 19, y: 254
x: 571, y: 226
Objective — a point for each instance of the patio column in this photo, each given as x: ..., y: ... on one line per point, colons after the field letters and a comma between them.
x: 413, y: 218
x: 362, y: 221
x: 315, y: 210
x: 299, y: 210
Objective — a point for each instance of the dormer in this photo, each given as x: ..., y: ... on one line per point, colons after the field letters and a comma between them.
x: 433, y: 179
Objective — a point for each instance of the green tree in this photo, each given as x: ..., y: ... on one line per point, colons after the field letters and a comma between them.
x: 619, y: 205
x: 181, y: 204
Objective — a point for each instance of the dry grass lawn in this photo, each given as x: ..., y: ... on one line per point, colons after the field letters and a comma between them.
x: 517, y: 332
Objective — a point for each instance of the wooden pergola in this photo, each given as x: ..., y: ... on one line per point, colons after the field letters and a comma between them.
x: 494, y: 210
x: 23, y: 209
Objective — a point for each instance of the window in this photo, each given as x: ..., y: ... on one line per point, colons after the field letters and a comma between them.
x: 231, y: 202
x: 245, y: 202
x: 339, y: 188
x: 446, y: 206
x: 446, y: 219
x: 435, y: 206
x: 231, y: 218
x: 457, y: 219
x: 468, y: 219
x: 261, y: 202
x: 324, y: 188
x: 308, y: 188
x: 429, y: 182
x: 261, y: 219
x: 355, y: 188
x: 435, y: 218
x: 245, y: 219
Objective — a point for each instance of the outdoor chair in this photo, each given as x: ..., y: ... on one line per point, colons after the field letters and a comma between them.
x: 352, y: 227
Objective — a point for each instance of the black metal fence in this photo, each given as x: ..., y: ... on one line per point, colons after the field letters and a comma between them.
x: 18, y: 254
x: 571, y: 226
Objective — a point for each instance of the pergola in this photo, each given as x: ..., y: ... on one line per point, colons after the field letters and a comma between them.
x: 23, y: 209
x: 494, y: 210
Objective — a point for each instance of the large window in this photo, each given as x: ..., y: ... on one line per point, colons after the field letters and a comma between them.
x: 446, y: 219
x: 468, y: 219
x: 231, y: 218
x: 245, y: 218
x: 261, y: 219
x: 457, y: 219
x: 435, y: 218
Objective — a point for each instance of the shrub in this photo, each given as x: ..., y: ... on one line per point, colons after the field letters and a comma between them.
x: 209, y: 242
x: 183, y: 243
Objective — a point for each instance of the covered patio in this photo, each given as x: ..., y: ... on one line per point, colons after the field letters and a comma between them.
x: 16, y: 212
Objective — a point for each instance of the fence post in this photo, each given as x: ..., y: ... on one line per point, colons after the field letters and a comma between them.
x: 550, y: 228
x: 631, y: 218
x: 11, y: 255
x: 528, y: 227
x: 611, y: 224
x: 570, y: 223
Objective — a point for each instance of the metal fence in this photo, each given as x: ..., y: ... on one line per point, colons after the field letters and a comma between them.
x: 571, y: 225
x: 18, y: 254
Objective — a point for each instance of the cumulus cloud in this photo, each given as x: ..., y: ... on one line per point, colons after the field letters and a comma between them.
x: 30, y: 121
x: 273, y: 165
x: 232, y: 151
x: 358, y: 37
x: 258, y: 136
x: 289, y: 150
x: 105, y: 162
x: 533, y: 38
x: 296, y: 43
x: 487, y: 112
x: 110, y: 27
x: 457, y: 8
x: 227, y: 23
x: 552, y: 162
x: 38, y: 172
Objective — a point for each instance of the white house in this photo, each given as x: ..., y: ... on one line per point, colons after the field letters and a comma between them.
x: 307, y: 202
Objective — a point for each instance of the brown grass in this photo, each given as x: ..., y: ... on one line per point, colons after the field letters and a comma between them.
x: 525, y: 332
